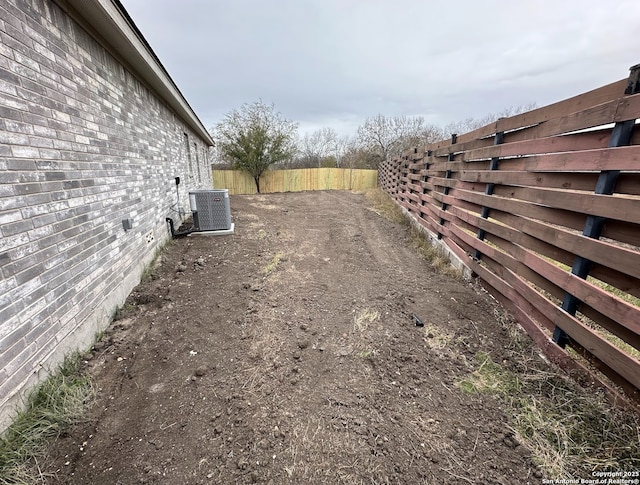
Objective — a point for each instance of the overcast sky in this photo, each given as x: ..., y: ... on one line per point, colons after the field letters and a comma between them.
x: 335, y: 62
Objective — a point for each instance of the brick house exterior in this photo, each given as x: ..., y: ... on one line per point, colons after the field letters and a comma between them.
x: 93, y: 131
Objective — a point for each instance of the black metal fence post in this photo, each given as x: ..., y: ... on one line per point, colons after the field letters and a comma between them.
x: 454, y: 139
x: 490, y: 187
x: 606, y: 184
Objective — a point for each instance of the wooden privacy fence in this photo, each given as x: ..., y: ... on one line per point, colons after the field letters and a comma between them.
x: 296, y: 180
x: 544, y: 207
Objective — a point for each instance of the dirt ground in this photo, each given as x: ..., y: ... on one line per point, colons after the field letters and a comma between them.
x: 288, y: 353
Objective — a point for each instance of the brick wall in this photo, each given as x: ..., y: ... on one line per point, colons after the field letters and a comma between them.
x: 84, y: 144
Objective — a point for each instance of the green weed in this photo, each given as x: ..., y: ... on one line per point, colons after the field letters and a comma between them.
x: 571, y: 431
x: 56, y: 404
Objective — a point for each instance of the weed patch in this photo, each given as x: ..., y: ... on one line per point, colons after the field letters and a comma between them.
x: 52, y: 407
x: 435, y: 338
x: 273, y: 264
x: 439, y: 260
x: 571, y: 431
x: 490, y: 377
x: 364, y: 318
x: 124, y: 311
x: 385, y: 206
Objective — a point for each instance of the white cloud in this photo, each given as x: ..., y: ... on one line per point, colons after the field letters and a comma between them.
x: 334, y: 62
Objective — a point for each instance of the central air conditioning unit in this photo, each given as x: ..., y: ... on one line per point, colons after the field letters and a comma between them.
x: 211, y: 210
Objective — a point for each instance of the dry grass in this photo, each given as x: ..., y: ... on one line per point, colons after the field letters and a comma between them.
x: 53, y: 407
x: 570, y: 430
x: 574, y: 431
x: 364, y: 318
x: 387, y: 208
x: 435, y: 338
x: 361, y: 322
x: 273, y: 264
x: 439, y: 260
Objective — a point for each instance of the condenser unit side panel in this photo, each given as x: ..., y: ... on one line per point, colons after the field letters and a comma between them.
x: 214, y: 211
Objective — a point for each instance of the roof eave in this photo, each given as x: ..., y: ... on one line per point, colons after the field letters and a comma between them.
x: 114, y: 25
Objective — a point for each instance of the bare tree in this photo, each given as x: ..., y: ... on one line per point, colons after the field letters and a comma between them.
x: 420, y: 135
x: 356, y: 156
x: 318, y: 146
x: 379, y: 133
x: 388, y: 136
x: 343, y: 145
x: 470, y: 124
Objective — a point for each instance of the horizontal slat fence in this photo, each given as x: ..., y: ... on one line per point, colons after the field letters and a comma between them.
x: 296, y: 180
x: 544, y: 207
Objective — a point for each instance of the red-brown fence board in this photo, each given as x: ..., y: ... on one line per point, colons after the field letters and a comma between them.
x: 628, y: 183
x: 526, y: 316
x: 551, y: 315
x: 606, y: 304
x: 624, y: 283
x: 538, y: 200
x: 612, y: 256
x: 566, y: 148
x: 534, y: 117
x: 522, y: 208
x: 623, y: 232
x: 610, y: 325
x: 578, y: 181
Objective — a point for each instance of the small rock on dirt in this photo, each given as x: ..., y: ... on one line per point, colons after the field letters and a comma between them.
x: 303, y: 344
x: 510, y: 442
x: 344, y: 351
x: 201, y: 371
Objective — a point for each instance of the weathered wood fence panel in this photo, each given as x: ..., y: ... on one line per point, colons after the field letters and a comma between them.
x: 544, y: 207
x: 296, y: 180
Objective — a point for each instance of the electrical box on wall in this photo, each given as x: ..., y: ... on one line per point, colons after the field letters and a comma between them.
x: 211, y: 209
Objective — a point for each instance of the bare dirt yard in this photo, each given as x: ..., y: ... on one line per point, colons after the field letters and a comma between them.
x: 289, y: 353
